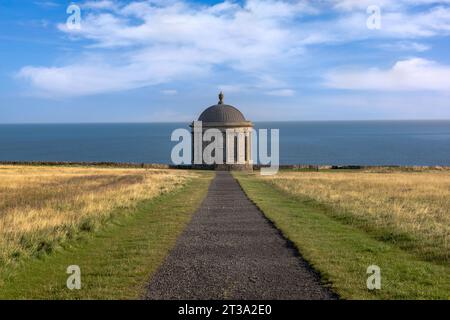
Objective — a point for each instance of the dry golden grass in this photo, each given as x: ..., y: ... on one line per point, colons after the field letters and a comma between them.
x: 411, y: 209
x: 42, y: 206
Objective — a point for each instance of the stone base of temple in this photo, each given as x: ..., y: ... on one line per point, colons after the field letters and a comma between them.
x: 224, y: 167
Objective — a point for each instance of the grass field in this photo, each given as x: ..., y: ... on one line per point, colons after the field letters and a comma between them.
x: 133, y: 222
x: 408, y: 209
x: 41, y: 207
x: 342, y: 222
x: 119, y: 224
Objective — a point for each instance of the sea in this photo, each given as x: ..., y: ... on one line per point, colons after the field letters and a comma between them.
x: 406, y: 143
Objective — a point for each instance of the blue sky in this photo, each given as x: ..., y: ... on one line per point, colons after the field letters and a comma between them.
x: 146, y: 61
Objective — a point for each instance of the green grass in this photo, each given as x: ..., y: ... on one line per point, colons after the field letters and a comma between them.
x: 342, y: 252
x: 117, y: 261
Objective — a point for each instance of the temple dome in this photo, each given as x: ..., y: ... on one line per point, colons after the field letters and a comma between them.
x: 221, y: 113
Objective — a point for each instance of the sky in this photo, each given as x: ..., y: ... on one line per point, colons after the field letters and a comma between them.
x: 166, y: 60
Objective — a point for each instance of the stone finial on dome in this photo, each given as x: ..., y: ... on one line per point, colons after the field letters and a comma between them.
x: 221, y: 95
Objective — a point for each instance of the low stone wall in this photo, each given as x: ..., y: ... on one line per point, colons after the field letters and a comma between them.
x: 353, y: 167
x: 220, y: 167
x: 87, y: 164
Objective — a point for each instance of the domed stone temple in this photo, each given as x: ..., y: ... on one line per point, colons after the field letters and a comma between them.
x: 236, y: 134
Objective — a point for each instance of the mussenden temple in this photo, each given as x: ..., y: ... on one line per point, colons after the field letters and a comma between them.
x: 222, y: 138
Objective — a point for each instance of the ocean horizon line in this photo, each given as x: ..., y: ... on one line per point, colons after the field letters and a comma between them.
x: 258, y: 121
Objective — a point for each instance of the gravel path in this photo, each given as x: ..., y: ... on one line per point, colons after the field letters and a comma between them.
x: 231, y: 251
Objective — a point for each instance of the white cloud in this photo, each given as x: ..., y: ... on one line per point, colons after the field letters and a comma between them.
x: 100, y: 4
x: 281, y: 93
x: 405, y: 75
x: 424, y: 24
x: 348, y: 5
x: 169, y: 41
x: 142, y: 43
x: 410, y: 46
x: 169, y: 92
x: 143, y: 68
x: 46, y: 3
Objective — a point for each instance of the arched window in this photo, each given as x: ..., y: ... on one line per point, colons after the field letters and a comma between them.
x: 246, y: 148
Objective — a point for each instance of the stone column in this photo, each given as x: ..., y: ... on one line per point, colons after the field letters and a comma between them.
x: 241, y: 146
x: 229, y: 146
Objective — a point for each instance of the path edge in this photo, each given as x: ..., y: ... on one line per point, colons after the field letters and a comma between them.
x: 292, y: 246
